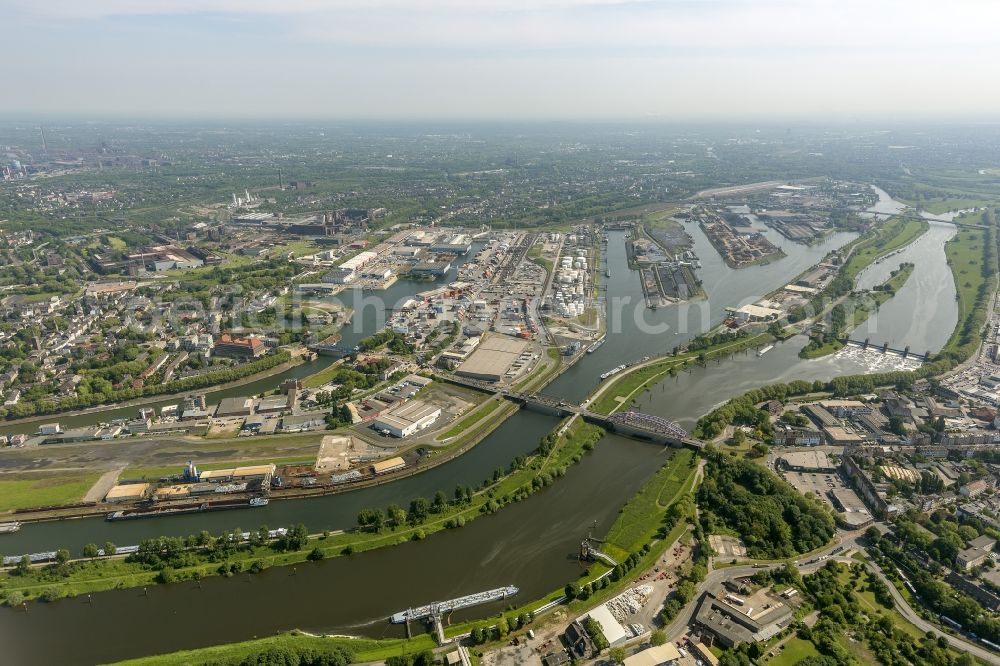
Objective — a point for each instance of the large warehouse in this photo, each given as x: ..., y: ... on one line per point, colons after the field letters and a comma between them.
x: 492, y: 358
x: 408, y: 419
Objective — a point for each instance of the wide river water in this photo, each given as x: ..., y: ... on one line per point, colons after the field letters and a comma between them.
x: 531, y: 544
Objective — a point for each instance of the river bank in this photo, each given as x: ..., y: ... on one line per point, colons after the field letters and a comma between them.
x: 529, y: 542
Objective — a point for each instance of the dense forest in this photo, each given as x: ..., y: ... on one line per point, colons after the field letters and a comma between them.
x: 773, y: 519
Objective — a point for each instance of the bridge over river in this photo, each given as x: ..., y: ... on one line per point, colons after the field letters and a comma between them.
x: 631, y: 424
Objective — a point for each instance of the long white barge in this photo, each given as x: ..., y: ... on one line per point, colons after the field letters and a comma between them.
x: 442, y: 607
x: 9, y: 528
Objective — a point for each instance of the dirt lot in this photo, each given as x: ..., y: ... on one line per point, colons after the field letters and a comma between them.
x: 727, y: 547
x: 337, y: 451
x: 157, y: 452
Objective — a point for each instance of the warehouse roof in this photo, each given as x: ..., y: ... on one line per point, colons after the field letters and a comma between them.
x: 386, y: 465
x: 493, y: 357
x: 126, y: 491
x: 654, y: 656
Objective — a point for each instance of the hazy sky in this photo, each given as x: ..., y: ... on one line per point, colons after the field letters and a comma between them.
x: 672, y: 59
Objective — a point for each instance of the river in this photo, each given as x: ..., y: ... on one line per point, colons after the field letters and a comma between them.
x: 923, y: 312
x: 531, y: 544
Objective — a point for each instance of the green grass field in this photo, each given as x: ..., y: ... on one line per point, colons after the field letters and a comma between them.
x: 893, y: 234
x: 364, y: 650
x: 965, y: 257
x: 794, y: 651
x: 324, y: 376
x: 640, y: 518
x: 950, y: 204
x: 471, y: 419
x: 158, y: 472
x: 45, y: 490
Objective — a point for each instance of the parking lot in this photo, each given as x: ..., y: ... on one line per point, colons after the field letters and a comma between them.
x: 819, y: 483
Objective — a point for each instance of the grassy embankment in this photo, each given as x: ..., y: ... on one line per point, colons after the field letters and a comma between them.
x: 324, y: 376
x: 635, y: 526
x: 473, y: 418
x: 857, y: 309
x: 887, y: 237
x: 891, y: 235
x: 364, y: 650
x: 628, y: 385
x: 83, y: 576
x: 45, y: 489
x: 972, y: 256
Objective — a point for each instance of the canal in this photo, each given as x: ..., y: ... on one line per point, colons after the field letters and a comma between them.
x: 531, y: 544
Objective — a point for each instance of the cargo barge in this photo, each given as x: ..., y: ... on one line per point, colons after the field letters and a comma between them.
x: 440, y: 608
x: 157, y: 511
x: 9, y: 528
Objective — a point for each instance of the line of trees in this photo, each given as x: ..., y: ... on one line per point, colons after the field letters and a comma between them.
x: 25, y: 409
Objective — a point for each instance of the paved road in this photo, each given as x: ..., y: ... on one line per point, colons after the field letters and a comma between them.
x: 679, y: 626
x: 922, y: 624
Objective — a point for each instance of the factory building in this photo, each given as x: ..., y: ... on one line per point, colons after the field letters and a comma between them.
x: 492, y: 358
x: 407, y: 419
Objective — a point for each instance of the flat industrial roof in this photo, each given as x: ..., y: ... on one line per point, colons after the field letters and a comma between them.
x: 807, y: 459
x: 408, y: 414
x: 758, y: 311
x: 612, y: 628
x: 250, y: 470
x: 391, y: 463
x: 493, y: 357
x: 654, y: 656
x: 235, y: 404
x: 127, y: 490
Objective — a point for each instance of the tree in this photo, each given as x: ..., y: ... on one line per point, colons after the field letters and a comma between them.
x: 617, y: 655
x: 897, y: 425
x: 440, y: 502
x: 62, y: 556
x: 23, y: 566
x: 419, y: 509
x: 397, y: 516
x: 658, y: 637
x: 90, y: 550
x: 316, y: 554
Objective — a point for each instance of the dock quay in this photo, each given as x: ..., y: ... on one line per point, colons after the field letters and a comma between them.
x: 439, y: 608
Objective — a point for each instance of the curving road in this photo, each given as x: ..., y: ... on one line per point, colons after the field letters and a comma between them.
x: 679, y: 626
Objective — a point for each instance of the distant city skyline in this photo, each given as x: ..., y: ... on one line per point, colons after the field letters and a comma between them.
x: 494, y: 59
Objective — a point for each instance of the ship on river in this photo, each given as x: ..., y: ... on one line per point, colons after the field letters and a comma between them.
x: 181, y: 509
x: 9, y: 528
x: 439, y: 608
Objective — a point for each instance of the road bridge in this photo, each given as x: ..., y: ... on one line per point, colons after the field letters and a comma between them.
x: 916, y: 216
x: 647, y: 427
x: 338, y: 351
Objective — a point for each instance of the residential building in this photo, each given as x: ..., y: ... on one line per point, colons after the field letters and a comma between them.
x: 230, y: 346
